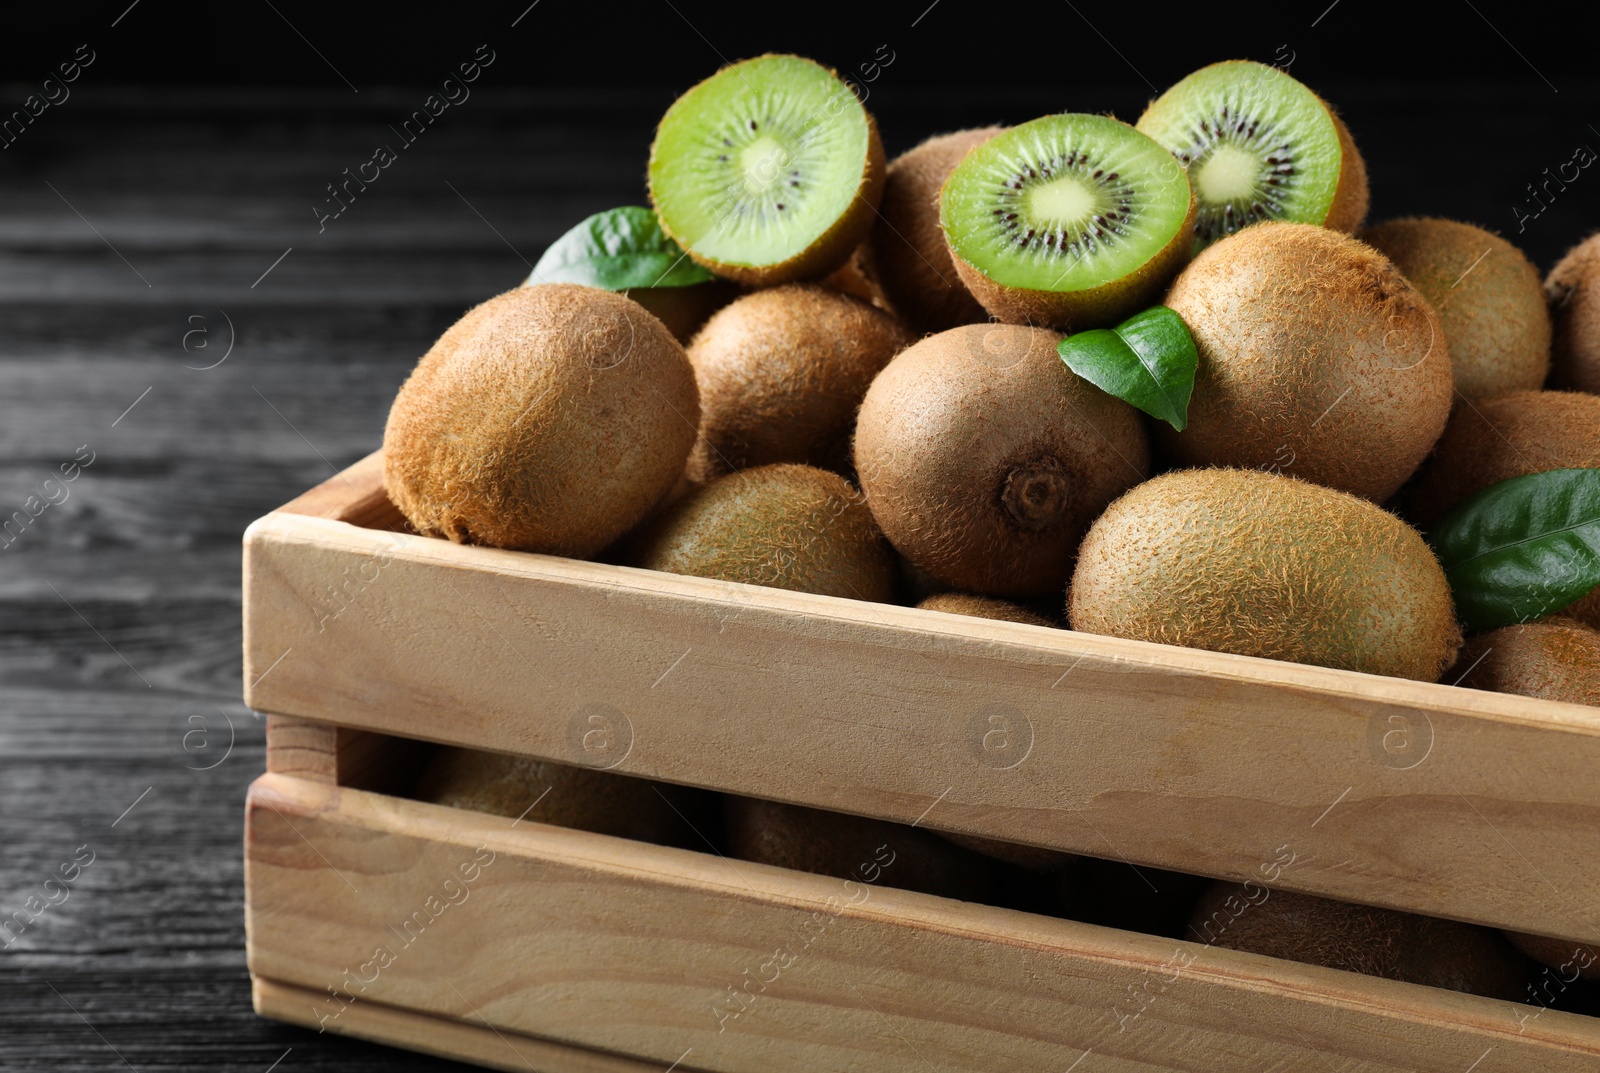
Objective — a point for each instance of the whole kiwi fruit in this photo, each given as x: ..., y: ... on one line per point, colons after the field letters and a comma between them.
x: 1573, y: 289
x: 1488, y: 296
x: 1259, y: 564
x: 1359, y: 938
x: 965, y: 603
x: 1580, y: 958
x: 908, y: 247
x: 786, y: 526
x: 781, y: 373
x: 984, y: 458
x: 1510, y: 436
x: 584, y: 798
x: 1317, y: 358
x: 867, y: 851
x: 1556, y: 659
x: 551, y: 418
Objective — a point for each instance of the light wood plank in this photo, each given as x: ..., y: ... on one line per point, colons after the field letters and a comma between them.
x: 340, y: 756
x: 1201, y: 762
x: 303, y: 749
x: 441, y: 1037
x: 354, y: 495
x: 607, y: 943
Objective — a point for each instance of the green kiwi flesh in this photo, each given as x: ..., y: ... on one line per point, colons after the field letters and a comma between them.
x: 1259, y: 564
x: 1317, y: 359
x: 551, y: 418
x: 785, y: 526
x: 1068, y: 221
x: 1258, y: 145
x: 781, y: 373
x: 855, y: 848
x: 768, y: 171
x: 1359, y: 938
x: 1488, y: 296
x: 984, y: 458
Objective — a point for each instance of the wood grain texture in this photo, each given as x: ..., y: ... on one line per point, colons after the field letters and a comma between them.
x: 354, y: 495
x: 605, y: 943
x: 1190, y: 760
x: 213, y: 185
x: 482, y: 1045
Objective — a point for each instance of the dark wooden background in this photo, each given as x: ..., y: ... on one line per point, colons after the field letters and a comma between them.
x: 136, y: 226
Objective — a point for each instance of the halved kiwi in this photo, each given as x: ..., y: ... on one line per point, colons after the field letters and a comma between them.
x: 1069, y: 221
x: 1258, y: 145
x: 768, y: 171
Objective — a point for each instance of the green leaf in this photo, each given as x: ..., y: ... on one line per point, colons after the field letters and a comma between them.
x: 1148, y: 361
x: 618, y: 250
x: 1523, y: 548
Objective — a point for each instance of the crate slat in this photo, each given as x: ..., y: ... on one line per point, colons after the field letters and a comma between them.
x: 632, y: 949
x: 1456, y: 803
x: 480, y: 1044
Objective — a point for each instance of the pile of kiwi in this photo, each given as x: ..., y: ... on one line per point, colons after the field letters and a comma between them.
x: 870, y: 404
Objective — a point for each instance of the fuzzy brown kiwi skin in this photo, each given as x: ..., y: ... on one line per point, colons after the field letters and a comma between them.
x: 1352, y: 197
x: 1573, y: 290
x: 551, y: 418
x: 966, y: 603
x: 866, y: 851
x: 858, y: 277
x: 582, y: 798
x: 784, y: 526
x: 1184, y: 559
x: 1555, y: 659
x: 913, y: 262
x: 1098, y: 307
x: 1488, y: 297
x: 1358, y: 938
x: 832, y: 249
x: 1510, y: 436
x: 1317, y: 357
x: 984, y: 458
x: 781, y: 373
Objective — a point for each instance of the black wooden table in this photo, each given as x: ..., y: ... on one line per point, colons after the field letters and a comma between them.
x: 175, y: 318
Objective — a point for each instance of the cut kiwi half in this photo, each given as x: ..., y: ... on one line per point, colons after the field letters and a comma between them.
x: 1069, y: 221
x: 768, y: 171
x: 1258, y: 145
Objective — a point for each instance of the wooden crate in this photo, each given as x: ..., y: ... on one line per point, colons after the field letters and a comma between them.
x: 585, y: 952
